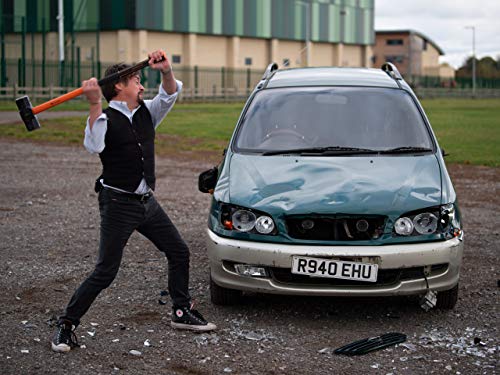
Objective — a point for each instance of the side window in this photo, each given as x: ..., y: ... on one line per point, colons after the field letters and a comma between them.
x: 176, y: 59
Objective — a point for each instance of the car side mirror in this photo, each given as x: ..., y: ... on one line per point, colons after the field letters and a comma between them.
x: 208, y: 180
x: 443, y: 152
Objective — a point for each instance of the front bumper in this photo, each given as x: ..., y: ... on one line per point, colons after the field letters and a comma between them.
x: 446, y: 257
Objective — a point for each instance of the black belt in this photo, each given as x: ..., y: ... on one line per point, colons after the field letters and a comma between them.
x: 131, y: 196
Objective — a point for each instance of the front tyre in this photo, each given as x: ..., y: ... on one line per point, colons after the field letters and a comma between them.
x: 447, y: 299
x: 223, y: 296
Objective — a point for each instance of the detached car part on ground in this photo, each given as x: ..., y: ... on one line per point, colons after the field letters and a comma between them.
x: 333, y: 185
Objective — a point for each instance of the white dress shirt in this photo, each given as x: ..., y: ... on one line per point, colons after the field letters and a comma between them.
x: 158, y: 107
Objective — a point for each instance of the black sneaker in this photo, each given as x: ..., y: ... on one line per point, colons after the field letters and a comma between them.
x: 64, y: 338
x: 188, y: 318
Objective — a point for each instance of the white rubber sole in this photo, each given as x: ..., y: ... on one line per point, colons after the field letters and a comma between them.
x: 191, y: 327
x: 61, y: 348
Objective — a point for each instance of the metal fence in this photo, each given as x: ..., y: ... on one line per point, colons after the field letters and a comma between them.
x: 204, y: 83
x: 41, y: 81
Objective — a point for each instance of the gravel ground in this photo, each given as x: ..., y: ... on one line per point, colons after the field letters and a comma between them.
x: 49, y: 233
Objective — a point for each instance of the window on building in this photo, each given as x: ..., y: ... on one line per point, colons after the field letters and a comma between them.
x: 248, y: 61
x: 176, y: 59
x: 286, y: 62
x: 424, y: 47
x: 398, y: 59
x: 394, y: 42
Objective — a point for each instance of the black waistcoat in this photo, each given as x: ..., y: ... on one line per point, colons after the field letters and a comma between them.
x: 129, y: 152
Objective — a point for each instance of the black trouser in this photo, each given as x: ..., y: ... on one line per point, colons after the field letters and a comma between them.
x: 120, y: 216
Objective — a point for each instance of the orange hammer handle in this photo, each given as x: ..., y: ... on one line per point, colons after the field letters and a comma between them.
x: 56, y: 101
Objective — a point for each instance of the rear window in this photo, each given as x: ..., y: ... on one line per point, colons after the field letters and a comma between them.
x: 362, y: 117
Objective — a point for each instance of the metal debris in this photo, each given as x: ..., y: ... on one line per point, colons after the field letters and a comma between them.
x: 147, y: 343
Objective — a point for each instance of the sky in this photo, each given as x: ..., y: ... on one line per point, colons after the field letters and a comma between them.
x: 444, y: 21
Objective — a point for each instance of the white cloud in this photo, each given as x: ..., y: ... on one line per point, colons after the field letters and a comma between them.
x: 444, y: 22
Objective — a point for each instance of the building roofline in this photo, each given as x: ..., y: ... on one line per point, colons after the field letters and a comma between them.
x: 411, y: 31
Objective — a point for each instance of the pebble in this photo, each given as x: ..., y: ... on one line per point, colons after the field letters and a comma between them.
x: 135, y: 352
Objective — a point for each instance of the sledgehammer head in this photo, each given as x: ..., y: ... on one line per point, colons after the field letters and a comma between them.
x: 26, y: 112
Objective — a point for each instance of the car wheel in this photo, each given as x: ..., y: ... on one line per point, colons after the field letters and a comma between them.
x: 447, y: 299
x: 223, y: 296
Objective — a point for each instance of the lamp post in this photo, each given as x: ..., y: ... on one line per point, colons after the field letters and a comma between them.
x: 308, y: 29
x: 473, y: 28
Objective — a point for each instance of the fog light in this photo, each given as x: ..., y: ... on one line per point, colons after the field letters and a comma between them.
x: 249, y: 270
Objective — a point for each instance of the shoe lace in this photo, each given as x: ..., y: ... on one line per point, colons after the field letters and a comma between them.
x: 67, y: 335
x: 197, y: 315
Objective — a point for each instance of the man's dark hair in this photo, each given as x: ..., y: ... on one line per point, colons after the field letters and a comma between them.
x: 108, y: 90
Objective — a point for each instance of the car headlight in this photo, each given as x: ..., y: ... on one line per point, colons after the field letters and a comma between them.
x: 403, y: 226
x: 243, y: 220
x: 246, y: 220
x: 425, y: 223
x: 444, y: 219
x: 264, y: 225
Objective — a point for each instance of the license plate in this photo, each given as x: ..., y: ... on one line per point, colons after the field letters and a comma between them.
x: 336, y: 269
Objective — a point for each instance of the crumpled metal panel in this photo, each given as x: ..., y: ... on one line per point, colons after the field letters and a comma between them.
x: 286, y: 185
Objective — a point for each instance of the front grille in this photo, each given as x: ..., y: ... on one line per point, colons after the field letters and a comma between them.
x: 352, y: 228
x: 385, y: 277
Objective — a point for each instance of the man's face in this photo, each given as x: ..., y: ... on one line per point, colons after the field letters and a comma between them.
x: 132, y: 90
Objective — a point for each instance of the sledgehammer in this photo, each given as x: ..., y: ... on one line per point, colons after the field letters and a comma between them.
x: 28, y: 113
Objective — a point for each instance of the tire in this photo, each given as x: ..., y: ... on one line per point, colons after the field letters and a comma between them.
x: 223, y: 296
x: 447, y: 299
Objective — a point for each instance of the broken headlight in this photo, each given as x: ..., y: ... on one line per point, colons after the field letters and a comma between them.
x: 246, y: 220
x: 443, y: 219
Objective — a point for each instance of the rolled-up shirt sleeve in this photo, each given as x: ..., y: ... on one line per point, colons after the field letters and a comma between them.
x: 162, y: 103
x: 94, y: 138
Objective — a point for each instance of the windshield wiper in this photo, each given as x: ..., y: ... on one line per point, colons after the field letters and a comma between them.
x: 330, y: 150
x: 405, y: 149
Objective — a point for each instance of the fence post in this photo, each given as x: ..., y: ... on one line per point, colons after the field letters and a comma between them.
x: 23, y: 52
x: 43, y: 51
x: 51, y: 90
x: 223, y: 82
x: 248, y: 81
x: 4, y: 61
x: 78, y: 66
x: 14, y: 92
x: 195, y: 80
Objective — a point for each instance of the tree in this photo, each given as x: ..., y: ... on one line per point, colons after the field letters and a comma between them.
x: 487, y: 67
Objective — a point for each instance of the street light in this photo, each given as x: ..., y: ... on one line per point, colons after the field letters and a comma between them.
x: 308, y: 36
x: 473, y: 28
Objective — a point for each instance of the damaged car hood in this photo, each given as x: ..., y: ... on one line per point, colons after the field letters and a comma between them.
x: 280, y: 184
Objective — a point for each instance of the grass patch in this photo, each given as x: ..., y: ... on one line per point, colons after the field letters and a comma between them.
x: 469, y: 130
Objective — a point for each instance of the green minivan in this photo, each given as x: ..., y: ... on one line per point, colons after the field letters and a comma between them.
x: 333, y: 184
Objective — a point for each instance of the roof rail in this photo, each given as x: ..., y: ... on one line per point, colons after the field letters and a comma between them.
x: 392, y: 71
x: 269, y: 70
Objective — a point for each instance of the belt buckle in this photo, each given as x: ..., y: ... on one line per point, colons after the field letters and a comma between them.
x: 145, y: 197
